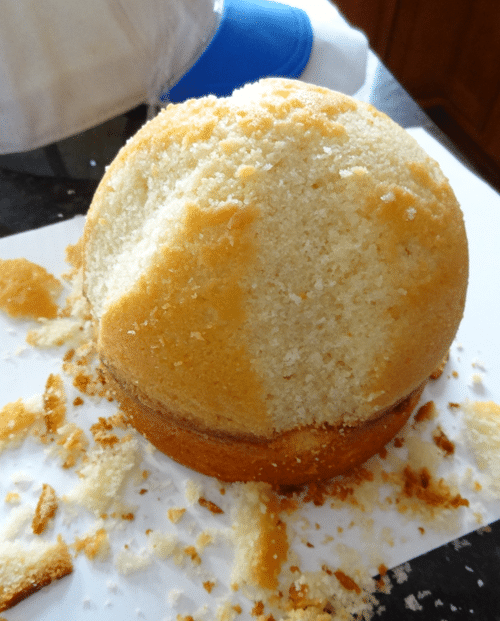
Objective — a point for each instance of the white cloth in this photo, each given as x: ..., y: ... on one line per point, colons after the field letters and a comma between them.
x: 66, y: 66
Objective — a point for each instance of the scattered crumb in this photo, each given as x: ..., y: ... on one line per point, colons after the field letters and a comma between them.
x: 208, y: 586
x: 104, y: 474
x: 13, y: 498
x: 203, y: 540
x: 482, y: 434
x: 211, y: 506
x: 17, y: 418
x: 94, y: 545
x: 441, y: 440
x: 426, y: 412
x: 27, y: 290
x: 127, y: 561
x: 54, y: 403
x: 412, y: 603
x: 45, y: 509
x: 163, y: 545
x: 193, y: 492
x: 175, y: 514
x: 192, y: 553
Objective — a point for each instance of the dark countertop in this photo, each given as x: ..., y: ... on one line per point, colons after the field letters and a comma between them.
x: 57, y: 182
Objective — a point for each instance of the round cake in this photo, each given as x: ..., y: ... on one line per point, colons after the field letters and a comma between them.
x: 273, y: 277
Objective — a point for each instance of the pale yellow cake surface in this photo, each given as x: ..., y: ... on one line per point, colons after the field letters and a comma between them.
x: 281, y: 258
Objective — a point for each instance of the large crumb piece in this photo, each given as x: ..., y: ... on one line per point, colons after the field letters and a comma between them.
x: 54, y: 403
x: 482, y: 430
x: 57, y: 332
x: 17, y: 521
x: 25, y: 569
x: 104, y: 475
x: 45, y: 509
x: 95, y: 545
x: 71, y: 444
x: 17, y: 417
x: 27, y: 290
x: 72, y: 326
x: 260, y: 537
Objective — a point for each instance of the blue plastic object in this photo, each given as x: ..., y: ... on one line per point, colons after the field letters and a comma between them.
x: 255, y: 39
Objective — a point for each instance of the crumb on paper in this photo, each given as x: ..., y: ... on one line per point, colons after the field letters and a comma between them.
x: 175, y: 514
x: 211, y: 506
x: 482, y: 434
x: 128, y: 561
x: 18, y: 417
x: 45, y: 509
x: 103, y: 475
x: 57, y: 332
x: 95, y: 544
x: 476, y: 380
x: 12, y: 498
x: 18, y: 520
x: 193, y: 491
x: 204, y: 539
x: 54, y: 403
x: 27, y: 290
x: 26, y: 568
x: 22, y: 479
x: 163, y: 545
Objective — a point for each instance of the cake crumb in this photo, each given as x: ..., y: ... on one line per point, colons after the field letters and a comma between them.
x: 426, y: 412
x: 482, y: 434
x: 26, y: 568
x: 203, y: 540
x: 13, y: 498
x: 208, y: 586
x: 127, y: 561
x: 211, y: 506
x: 192, y: 492
x: 193, y: 555
x: 442, y: 441
x: 163, y: 545
x: 412, y: 604
x: 54, y: 403
x: 94, y: 545
x: 27, y: 290
x: 17, y: 418
x: 175, y: 514
x: 104, y: 474
x: 45, y: 509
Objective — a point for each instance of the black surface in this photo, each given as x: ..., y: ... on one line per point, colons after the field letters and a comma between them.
x: 29, y: 201
x: 457, y: 582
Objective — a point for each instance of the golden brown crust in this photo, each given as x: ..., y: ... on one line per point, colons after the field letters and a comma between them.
x: 305, y: 454
x: 55, y: 564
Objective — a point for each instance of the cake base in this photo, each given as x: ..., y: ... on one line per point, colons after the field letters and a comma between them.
x: 296, y: 457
